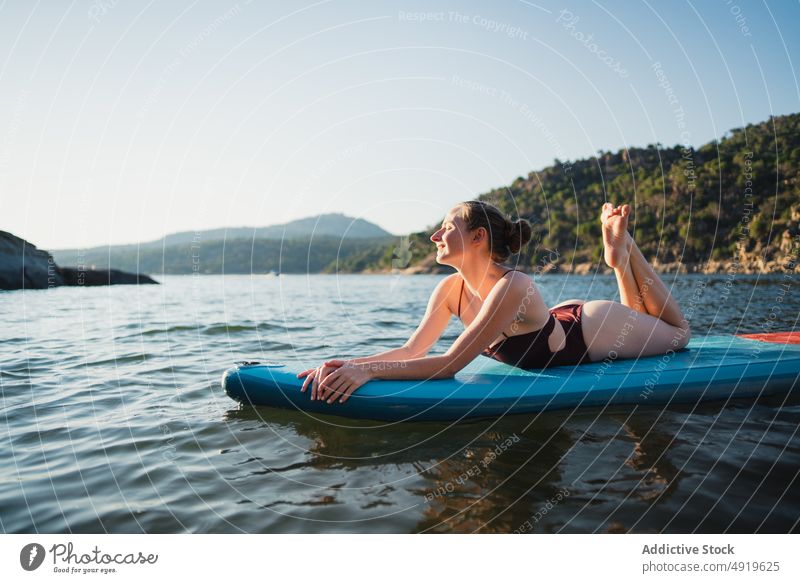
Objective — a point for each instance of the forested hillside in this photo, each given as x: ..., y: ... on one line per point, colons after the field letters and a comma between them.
x: 735, y: 200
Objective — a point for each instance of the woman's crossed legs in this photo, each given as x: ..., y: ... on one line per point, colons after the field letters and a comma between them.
x: 648, y: 321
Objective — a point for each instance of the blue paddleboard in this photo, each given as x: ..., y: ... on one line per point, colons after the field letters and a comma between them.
x: 710, y: 368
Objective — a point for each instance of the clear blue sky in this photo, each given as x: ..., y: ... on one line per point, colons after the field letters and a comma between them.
x: 122, y: 121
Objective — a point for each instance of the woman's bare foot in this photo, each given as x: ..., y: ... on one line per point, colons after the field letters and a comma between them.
x: 616, y: 238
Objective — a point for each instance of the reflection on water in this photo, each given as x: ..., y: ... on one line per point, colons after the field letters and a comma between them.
x: 116, y: 423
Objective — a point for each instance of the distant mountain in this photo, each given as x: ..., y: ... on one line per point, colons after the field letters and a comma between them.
x: 319, y: 254
x: 332, y: 224
x: 311, y: 244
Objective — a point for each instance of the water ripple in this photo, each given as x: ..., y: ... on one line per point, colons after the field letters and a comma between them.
x: 115, y: 422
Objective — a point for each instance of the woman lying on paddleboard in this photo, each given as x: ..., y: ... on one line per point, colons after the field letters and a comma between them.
x: 504, y: 315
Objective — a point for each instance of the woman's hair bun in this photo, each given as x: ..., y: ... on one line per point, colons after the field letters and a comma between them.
x: 506, y: 237
x: 518, y: 233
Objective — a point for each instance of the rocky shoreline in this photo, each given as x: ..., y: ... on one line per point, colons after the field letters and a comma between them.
x: 750, y: 264
x: 23, y: 266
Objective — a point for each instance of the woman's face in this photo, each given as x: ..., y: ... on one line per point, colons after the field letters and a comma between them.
x: 450, y: 239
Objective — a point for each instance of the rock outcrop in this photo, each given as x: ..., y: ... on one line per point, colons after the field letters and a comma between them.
x: 23, y: 266
x: 87, y: 277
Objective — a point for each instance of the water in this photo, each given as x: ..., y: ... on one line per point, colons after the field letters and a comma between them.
x: 114, y: 421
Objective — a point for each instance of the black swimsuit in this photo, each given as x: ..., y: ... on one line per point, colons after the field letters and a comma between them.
x: 531, y: 350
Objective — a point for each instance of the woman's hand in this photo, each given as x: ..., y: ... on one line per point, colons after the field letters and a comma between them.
x: 343, y: 381
x: 316, y: 375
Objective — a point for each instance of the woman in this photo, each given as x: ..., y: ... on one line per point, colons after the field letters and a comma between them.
x: 504, y: 315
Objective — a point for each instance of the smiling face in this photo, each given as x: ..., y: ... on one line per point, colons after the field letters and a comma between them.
x: 451, y: 238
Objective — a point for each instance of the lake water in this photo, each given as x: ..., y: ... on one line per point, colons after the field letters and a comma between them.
x: 114, y: 421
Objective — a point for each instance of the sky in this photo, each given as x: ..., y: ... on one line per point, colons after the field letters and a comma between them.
x: 123, y: 121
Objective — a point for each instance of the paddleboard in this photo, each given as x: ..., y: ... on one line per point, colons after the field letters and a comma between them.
x: 709, y: 368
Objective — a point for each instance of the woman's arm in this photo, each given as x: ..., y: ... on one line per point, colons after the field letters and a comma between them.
x: 401, y: 353
x: 503, y: 305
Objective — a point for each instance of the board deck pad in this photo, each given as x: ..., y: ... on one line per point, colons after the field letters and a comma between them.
x: 710, y: 368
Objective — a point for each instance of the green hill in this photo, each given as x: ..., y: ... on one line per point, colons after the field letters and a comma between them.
x: 731, y: 204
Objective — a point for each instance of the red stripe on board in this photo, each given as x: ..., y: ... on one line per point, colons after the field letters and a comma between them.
x: 779, y: 337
